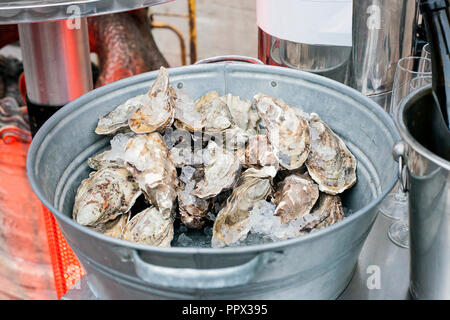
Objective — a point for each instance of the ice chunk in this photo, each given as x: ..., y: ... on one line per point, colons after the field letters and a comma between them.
x: 187, y: 173
x: 118, y: 144
x: 184, y: 241
x: 264, y: 222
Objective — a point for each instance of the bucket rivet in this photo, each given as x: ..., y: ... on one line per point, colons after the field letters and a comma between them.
x: 273, y: 84
x: 179, y: 85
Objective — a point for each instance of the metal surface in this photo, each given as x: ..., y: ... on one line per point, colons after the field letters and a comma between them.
x: 328, y: 61
x: 67, y: 140
x: 383, y: 33
x: 25, y: 11
x: 378, y: 254
x: 429, y: 198
x: 56, y: 61
x: 196, y: 278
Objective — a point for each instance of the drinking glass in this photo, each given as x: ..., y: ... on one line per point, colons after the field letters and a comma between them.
x: 412, y: 73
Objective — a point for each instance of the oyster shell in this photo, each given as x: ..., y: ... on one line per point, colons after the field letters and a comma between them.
x: 287, y: 131
x: 216, y: 113
x: 114, y: 227
x: 221, y: 172
x: 296, y: 197
x: 331, y: 207
x: 105, y: 195
x: 117, y: 120
x: 186, y: 116
x: 235, y: 138
x: 149, y: 227
x: 233, y: 221
x: 259, y: 153
x: 242, y: 113
x: 158, y: 114
x: 99, y: 161
x: 180, y: 145
x: 148, y: 158
x: 193, y: 210
x: 330, y: 164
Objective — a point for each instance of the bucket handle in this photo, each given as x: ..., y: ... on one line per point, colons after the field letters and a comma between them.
x: 400, y: 155
x: 189, y: 278
x: 229, y: 59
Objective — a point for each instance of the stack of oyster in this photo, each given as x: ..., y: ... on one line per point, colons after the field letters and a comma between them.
x: 265, y: 168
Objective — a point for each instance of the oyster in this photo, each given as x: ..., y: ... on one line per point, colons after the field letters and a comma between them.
x: 296, y: 197
x: 259, y: 153
x: 148, y: 158
x: 117, y: 120
x: 287, y: 130
x: 114, y: 227
x: 233, y: 221
x: 193, y: 210
x: 242, y: 113
x: 221, y: 172
x: 330, y: 164
x: 149, y: 227
x: 330, y: 207
x: 235, y: 138
x: 327, y: 211
x: 186, y: 116
x: 180, y: 145
x: 216, y: 113
x: 101, y: 160
x: 105, y: 195
x: 158, y: 113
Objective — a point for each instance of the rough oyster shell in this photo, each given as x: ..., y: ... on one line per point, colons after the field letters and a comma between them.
x: 327, y: 211
x: 158, y: 114
x: 216, y: 113
x: 235, y: 138
x: 148, y: 158
x: 114, y: 227
x: 117, y: 120
x: 105, y: 195
x: 331, y: 207
x: 330, y: 164
x: 287, y: 130
x: 221, y: 172
x: 180, y: 145
x: 242, y: 113
x: 296, y: 197
x: 259, y: 153
x: 186, y: 116
x: 233, y: 221
x: 193, y: 210
x: 149, y: 227
x: 100, y: 161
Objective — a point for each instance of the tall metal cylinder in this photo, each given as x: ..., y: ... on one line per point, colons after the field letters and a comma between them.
x: 428, y: 183
x: 383, y: 33
x: 56, y: 60
x: 302, y: 35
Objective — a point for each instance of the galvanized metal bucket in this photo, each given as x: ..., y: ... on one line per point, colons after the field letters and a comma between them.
x: 426, y: 176
x: 316, y: 266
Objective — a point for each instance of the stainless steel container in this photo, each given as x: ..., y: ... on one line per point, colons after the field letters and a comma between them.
x: 427, y: 178
x: 313, y: 36
x: 383, y: 33
x: 316, y: 266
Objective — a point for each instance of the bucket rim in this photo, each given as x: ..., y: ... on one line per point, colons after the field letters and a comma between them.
x: 407, y: 136
x: 250, y: 249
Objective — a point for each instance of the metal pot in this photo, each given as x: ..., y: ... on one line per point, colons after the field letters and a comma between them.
x: 316, y: 266
x: 426, y: 176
